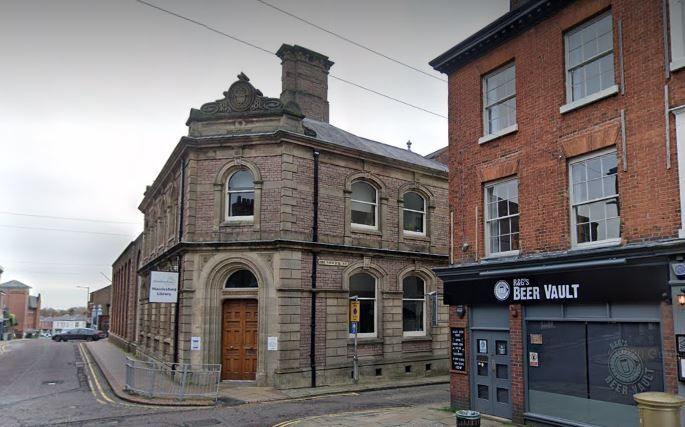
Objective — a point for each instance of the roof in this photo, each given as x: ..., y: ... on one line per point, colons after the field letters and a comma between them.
x: 436, y: 153
x: 504, y: 28
x: 329, y: 133
x: 14, y: 284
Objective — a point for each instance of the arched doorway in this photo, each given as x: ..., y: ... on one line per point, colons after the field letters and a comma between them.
x: 239, y: 336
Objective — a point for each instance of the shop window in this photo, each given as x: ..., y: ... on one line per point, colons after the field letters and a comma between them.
x: 364, y: 205
x: 241, y: 279
x: 589, y: 59
x: 499, y: 100
x: 413, y: 306
x: 588, y: 371
x: 240, y: 196
x: 595, y: 215
x: 414, y: 213
x: 363, y: 286
x: 502, y: 218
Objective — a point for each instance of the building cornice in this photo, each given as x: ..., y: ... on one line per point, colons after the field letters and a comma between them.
x: 497, y: 32
x: 285, y: 244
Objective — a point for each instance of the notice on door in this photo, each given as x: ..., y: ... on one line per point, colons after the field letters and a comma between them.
x: 458, y: 349
x: 533, y: 359
x: 195, y: 343
x: 163, y: 286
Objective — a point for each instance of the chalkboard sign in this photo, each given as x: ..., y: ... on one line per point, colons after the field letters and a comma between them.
x: 458, y: 350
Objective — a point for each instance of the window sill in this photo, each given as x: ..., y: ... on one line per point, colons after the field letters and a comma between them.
x: 237, y: 222
x: 498, y: 134
x: 367, y: 340
x: 599, y: 244
x: 413, y: 338
x: 365, y: 230
x: 677, y: 63
x: 415, y: 236
x: 612, y: 90
x: 502, y: 254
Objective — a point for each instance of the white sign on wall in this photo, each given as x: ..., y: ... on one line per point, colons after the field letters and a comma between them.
x: 272, y: 343
x: 163, y: 286
x: 195, y: 343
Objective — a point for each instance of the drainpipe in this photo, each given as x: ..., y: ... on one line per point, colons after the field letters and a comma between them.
x: 315, y: 238
x: 177, y: 312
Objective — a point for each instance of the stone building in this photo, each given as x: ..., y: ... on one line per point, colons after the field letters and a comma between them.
x: 567, y: 210
x: 273, y: 218
x: 25, y: 307
x: 124, y: 295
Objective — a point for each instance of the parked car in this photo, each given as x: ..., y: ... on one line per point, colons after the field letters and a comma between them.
x: 87, y: 334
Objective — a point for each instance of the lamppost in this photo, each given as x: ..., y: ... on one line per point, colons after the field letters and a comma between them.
x: 87, y: 288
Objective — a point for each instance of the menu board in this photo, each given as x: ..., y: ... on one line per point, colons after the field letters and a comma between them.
x: 458, y: 349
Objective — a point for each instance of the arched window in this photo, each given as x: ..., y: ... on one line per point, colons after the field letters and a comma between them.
x: 414, y: 213
x: 413, y: 306
x: 364, y: 205
x: 240, y: 196
x: 241, y: 279
x: 363, y: 286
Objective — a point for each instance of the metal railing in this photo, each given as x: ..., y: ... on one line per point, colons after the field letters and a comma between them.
x: 176, y: 381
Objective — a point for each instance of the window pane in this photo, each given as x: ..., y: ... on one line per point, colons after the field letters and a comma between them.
x: 578, y: 172
x: 413, y: 221
x: 583, y: 231
x: 366, y: 316
x: 241, y: 204
x: 412, y: 316
x: 502, y: 201
x: 412, y: 287
x: 241, y: 180
x: 363, y: 213
x: 625, y: 358
x: 363, y: 192
x: 363, y: 285
x: 413, y: 201
x: 499, y: 86
x: 241, y: 279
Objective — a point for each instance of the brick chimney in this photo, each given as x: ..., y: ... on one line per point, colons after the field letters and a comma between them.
x: 515, y: 4
x: 305, y: 80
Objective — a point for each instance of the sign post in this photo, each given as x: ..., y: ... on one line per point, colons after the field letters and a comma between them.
x: 354, y: 325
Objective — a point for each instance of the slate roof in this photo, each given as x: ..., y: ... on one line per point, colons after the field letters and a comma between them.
x: 14, y: 284
x: 329, y: 133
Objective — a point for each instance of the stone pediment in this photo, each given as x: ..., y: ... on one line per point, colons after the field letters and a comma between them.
x: 242, y: 100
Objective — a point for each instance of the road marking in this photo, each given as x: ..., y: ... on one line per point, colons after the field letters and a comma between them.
x: 95, y: 379
x: 339, y: 414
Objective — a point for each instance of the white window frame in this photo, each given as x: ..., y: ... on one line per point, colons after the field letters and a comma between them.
x: 677, y: 19
x: 375, y: 307
x: 374, y: 204
x: 423, y: 213
x: 415, y: 333
x: 486, y: 221
x: 571, y: 103
x: 574, y: 236
x: 228, y: 193
x: 487, y: 135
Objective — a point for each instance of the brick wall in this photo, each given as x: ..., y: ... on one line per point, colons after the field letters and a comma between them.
x: 540, y: 149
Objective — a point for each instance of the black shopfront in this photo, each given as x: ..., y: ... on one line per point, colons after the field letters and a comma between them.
x: 591, y: 333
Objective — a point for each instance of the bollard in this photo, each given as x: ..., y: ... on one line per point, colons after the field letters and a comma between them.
x: 657, y: 409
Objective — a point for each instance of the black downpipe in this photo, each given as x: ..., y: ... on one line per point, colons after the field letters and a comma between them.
x: 177, y: 312
x: 315, y: 238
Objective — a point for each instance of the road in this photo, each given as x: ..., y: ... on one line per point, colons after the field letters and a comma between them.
x: 48, y: 383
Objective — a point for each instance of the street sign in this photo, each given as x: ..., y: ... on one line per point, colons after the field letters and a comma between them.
x: 353, y: 327
x: 354, y: 311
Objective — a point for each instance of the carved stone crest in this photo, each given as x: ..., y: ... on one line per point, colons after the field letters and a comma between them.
x: 242, y: 99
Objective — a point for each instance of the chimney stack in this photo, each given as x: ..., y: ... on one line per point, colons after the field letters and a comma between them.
x: 515, y: 4
x: 305, y: 80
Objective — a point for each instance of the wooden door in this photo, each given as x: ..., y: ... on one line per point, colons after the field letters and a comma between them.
x: 239, y: 340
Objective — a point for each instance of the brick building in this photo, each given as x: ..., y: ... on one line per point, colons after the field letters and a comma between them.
x: 25, y: 307
x: 125, y: 295
x: 273, y: 218
x: 565, y: 188
x: 99, y: 305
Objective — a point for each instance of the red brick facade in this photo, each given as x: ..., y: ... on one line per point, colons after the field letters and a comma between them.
x: 124, y: 296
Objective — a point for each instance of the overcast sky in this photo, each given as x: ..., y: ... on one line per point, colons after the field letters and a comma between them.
x: 94, y: 96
